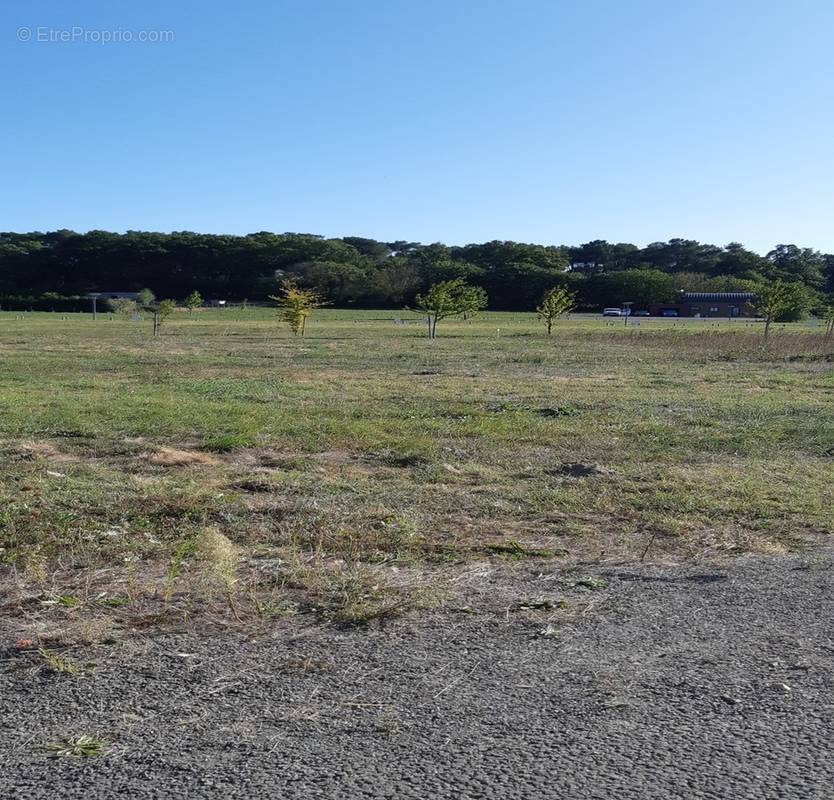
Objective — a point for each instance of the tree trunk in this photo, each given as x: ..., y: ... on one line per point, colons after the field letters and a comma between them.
x: 549, y: 326
x: 767, y: 327
x: 303, y: 325
x: 156, y: 323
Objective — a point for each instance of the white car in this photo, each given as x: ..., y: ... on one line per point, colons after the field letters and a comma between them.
x: 612, y: 312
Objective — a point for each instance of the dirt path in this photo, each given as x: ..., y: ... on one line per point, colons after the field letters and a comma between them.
x: 658, y: 683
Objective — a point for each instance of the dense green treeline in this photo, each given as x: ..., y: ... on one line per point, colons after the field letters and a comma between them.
x: 44, y: 269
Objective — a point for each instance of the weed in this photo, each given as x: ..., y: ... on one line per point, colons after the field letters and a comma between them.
x: 34, y: 566
x: 515, y: 549
x: 816, y: 561
x: 509, y: 408
x: 103, y: 601
x: 559, y: 411
x: 68, y: 601
x: 354, y: 594
x: 59, y: 664
x: 218, y: 560
x: 182, y: 551
x: 84, y: 745
x: 388, y: 723
x: 62, y: 601
x: 591, y: 582
x: 307, y: 665
x: 227, y: 442
x: 82, y: 630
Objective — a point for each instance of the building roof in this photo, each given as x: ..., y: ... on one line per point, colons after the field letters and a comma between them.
x: 717, y: 297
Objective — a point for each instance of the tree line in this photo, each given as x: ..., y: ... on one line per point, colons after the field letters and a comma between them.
x: 53, y: 270
x: 774, y: 300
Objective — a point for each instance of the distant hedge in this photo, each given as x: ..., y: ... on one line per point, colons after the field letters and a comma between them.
x: 46, y: 302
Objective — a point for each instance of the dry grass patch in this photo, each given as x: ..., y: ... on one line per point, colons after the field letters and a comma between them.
x: 217, y: 559
x: 170, y: 457
x: 35, y: 451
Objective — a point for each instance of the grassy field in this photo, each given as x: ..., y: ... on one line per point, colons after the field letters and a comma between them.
x: 228, y: 469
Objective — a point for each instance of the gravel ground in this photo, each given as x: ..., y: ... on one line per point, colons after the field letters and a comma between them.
x: 654, y: 682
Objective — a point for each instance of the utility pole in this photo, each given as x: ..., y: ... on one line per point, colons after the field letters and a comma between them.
x: 94, y: 296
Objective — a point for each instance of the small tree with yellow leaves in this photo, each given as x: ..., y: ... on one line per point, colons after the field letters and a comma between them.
x: 295, y: 305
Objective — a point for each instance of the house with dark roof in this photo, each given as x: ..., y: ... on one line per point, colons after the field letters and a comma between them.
x: 707, y: 304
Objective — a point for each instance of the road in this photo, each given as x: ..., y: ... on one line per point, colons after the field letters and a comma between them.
x: 654, y: 682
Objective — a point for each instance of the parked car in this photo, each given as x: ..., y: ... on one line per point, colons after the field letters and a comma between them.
x: 641, y: 312
x: 669, y: 312
x: 612, y: 312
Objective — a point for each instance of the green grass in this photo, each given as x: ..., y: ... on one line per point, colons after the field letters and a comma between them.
x: 353, y: 466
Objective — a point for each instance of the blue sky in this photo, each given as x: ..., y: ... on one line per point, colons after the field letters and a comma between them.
x: 456, y: 121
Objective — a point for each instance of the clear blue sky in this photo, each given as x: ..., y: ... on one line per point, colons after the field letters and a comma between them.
x: 457, y: 121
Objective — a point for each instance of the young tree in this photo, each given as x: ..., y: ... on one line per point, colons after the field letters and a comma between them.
x: 449, y: 299
x: 829, y: 321
x: 161, y: 311
x: 194, y: 300
x: 777, y: 300
x: 556, y: 301
x: 295, y: 305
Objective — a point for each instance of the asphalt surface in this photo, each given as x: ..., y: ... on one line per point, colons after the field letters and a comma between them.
x: 655, y: 682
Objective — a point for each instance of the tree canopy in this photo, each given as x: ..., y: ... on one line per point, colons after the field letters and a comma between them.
x: 449, y: 299
x: 295, y: 305
x: 556, y: 301
x: 55, y: 270
x: 779, y: 301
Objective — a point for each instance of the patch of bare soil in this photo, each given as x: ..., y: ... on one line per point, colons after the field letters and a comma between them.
x: 264, y: 458
x: 35, y: 451
x: 170, y: 457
